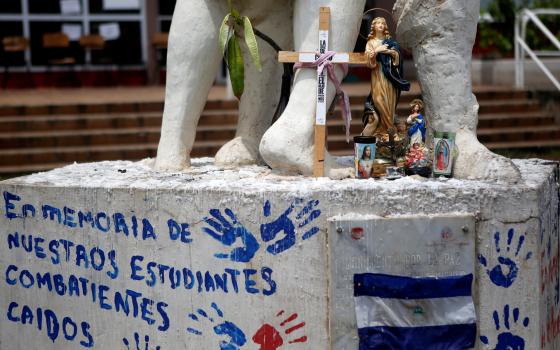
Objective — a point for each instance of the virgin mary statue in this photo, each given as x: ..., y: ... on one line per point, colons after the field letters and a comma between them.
x: 385, y: 61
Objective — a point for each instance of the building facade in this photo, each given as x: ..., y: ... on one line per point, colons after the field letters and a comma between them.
x: 130, y: 54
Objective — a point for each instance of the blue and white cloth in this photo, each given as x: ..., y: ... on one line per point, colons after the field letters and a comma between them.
x: 396, y: 312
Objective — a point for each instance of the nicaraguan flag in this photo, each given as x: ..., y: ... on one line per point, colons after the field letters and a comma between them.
x: 396, y: 312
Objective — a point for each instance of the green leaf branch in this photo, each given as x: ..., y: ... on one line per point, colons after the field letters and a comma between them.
x: 233, y: 25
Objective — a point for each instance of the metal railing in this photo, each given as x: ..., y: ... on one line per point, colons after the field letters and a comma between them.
x: 522, y: 49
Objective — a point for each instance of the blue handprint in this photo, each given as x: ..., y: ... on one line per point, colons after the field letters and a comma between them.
x: 137, y: 341
x: 285, y: 224
x: 507, y: 340
x: 227, y: 232
x: 497, y: 275
x: 236, y: 337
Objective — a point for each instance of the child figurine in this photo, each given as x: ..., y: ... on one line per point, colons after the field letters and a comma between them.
x: 418, y: 161
x: 416, y: 157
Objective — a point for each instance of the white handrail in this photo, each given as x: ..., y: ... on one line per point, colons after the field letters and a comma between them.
x: 522, y: 48
x: 542, y: 27
x: 539, y: 63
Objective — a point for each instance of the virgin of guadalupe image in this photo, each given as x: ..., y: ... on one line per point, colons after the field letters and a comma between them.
x: 442, y: 155
x: 365, y: 164
x: 385, y: 61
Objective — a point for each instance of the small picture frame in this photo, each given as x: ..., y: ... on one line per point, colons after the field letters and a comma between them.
x: 444, y: 145
x: 364, y: 154
x: 393, y: 172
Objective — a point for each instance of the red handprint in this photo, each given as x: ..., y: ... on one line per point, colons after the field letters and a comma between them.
x: 269, y: 338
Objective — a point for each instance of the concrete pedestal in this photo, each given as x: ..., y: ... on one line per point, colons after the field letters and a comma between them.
x: 114, y: 255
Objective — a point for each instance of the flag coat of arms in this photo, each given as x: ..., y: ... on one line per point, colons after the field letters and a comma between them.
x: 410, y: 313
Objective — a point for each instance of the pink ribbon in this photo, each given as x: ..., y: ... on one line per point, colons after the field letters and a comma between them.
x: 324, y: 61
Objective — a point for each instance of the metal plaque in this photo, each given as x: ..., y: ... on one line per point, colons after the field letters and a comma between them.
x: 414, y: 246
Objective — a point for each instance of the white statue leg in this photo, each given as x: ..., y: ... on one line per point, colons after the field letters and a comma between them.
x: 193, y: 59
x: 441, y: 35
x: 262, y: 89
x: 288, y: 144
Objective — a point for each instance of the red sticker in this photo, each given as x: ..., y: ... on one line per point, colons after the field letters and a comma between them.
x: 357, y: 233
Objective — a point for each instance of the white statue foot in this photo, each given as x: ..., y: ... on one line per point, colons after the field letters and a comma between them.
x: 293, y: 153
x: 337, y: 171
x: 239, y: 151
x: 301, y: 161
x: 287, y: 145
x: 174, y: 164
x: 476, y: 162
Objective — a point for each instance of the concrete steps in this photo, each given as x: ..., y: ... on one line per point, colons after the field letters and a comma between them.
x: 112, y: 136
x: 507, y: 119
x: 484, y: 94
x: 72, y: 109
x: 67, y: 155
x: 518, y: 119
x: 516, y: 134
x: 524, y: 144
x: 41, y: 137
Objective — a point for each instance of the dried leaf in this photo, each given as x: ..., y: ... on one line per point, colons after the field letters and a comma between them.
x: 225, y: 31
x: 251, y: 41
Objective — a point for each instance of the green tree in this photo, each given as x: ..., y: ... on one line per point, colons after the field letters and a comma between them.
x: 535, y: 38
x: 499, y: 33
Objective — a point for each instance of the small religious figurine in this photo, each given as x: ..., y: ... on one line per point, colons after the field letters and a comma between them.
x: 418, y: 161
x: 417, y: 155
x: 417, y: 129
x: 385, y: 61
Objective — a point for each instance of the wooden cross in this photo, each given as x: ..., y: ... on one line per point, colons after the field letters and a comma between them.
x: 321, y: 112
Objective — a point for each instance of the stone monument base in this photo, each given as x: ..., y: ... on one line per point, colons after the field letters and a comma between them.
x: 115, y: 255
